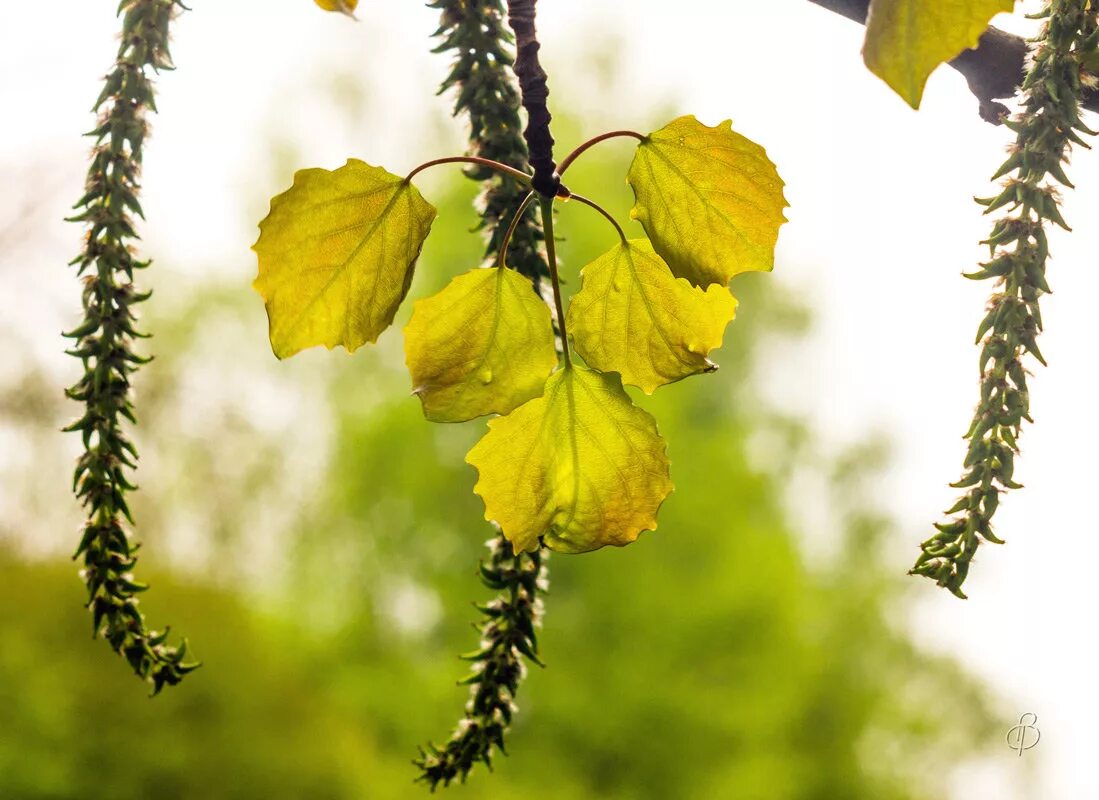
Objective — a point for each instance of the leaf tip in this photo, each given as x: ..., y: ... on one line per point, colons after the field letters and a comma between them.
x: 281, y: 352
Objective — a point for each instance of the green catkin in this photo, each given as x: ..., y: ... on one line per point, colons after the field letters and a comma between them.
x: 1046, y: 128
x: 475, y: 30
x: 104, y: 343
x: 507, y: 637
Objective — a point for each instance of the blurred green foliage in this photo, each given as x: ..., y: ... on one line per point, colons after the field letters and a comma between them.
x: 328, y: 595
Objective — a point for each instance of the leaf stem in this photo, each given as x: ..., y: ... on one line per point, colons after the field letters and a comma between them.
x: 592, y: 204
x: 546, y: 204
x: 579, y: 150
x: 501, y: 257
x: 522, y: 177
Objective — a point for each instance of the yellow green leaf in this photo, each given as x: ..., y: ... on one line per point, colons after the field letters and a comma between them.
x: 482, y: 345
x: 580, y: 466
x: 632, y: 316
x: 343, y: 6
x: 336, y: 255
x: 907, y: 39
x: 710, y: 200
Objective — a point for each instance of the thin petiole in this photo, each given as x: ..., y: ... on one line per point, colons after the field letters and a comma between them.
x: 522, y: 177
x: 592, y: 204
x: 591, y: 143
x: 551, y: 256
x: 501, y: 257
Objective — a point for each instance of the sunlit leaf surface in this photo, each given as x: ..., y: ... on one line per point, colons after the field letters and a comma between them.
x: 482, y: 345
x: 632, y: 316
x: 710, y: 200
x: 336, y: 255
x: 907, y: 39
x: 581, y: 466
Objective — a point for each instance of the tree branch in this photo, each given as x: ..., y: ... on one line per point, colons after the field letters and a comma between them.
x: 532, y: 85
x: 994, y: 69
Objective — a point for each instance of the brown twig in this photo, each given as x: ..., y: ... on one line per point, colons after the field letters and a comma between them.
x: 994, y: 69
x: 532, y: 85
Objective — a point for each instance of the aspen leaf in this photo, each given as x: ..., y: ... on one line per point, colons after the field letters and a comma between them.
x: 907, y: 39
x: 710, y: 200
x: 482, y: 345
x: 336, y: 255
x: 632, y: 316
x: 343, y: 6
x: 580, y: 466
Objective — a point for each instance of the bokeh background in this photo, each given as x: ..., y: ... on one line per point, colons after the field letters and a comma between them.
x: 317, y: 540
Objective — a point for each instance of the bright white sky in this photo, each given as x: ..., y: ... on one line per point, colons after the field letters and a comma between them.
x: 881, y: 226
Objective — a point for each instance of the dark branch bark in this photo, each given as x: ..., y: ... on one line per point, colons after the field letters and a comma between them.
x: 532, y: 85
x: 994, y: 69
x: 852, y: 9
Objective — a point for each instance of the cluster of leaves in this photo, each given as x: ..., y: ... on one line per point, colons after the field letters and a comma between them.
x: 571, y: 462
x: 1045, y: 129
x: 104, y: 344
